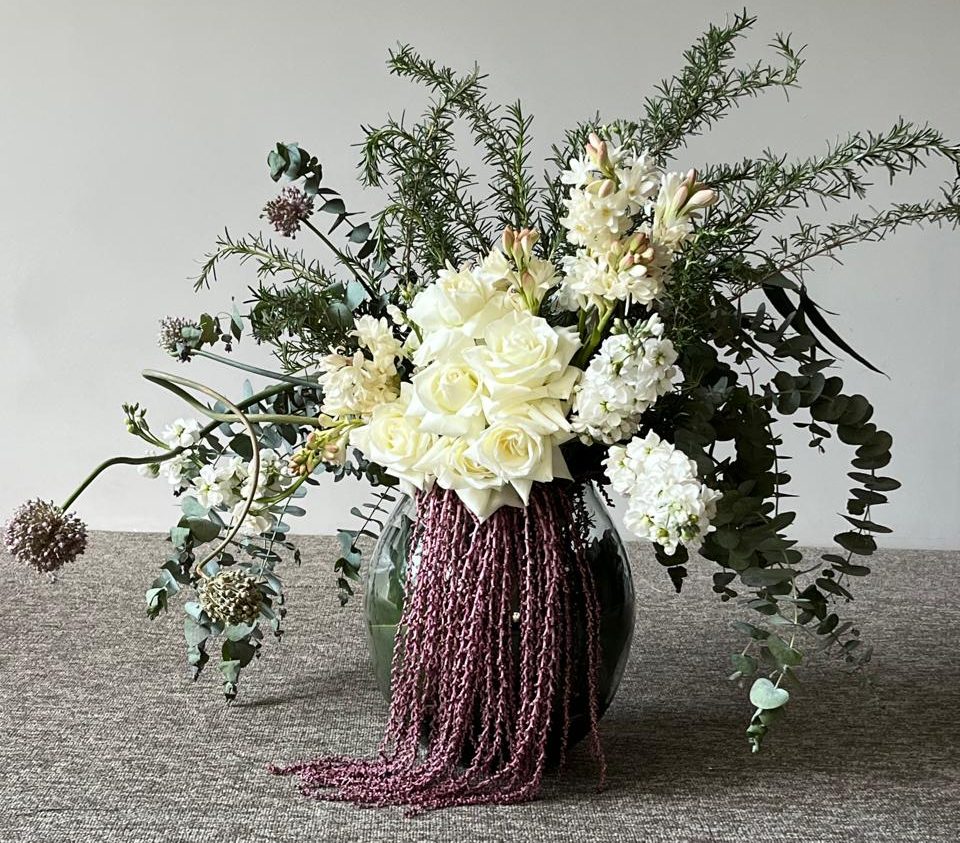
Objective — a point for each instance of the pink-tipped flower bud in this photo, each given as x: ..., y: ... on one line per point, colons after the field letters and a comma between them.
x: 606, y: 188
x: 703, y: 198
x: 507, y: 239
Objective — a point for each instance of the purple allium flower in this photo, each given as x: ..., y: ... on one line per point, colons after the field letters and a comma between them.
x: 43, y: 536
x: 231, y: 597
x: 170, y: 337
x: 287, y: 211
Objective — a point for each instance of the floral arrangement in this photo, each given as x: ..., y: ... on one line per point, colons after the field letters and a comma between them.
x: 623, y: 323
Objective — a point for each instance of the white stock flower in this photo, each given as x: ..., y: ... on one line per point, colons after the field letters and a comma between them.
x: 207, y: 487
x: 666, y: 502
x: 182, y: 433
x: 626, y: 377
x: 255, y: 523
x: 150, y: 469
x: 177, y: 470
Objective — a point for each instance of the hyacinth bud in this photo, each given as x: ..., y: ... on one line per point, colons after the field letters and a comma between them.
x: 703, y: 198
x: 680, y: 197
x: 597, y: 151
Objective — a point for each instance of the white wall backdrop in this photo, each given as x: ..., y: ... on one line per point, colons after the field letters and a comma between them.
x: 132, y: 132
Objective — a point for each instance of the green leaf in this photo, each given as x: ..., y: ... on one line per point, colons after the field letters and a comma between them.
x: 203, y: 529
x: 747, y: 665
x: 784, y: 654
x: 856, y: 543
x: 869, y: 526
x: 179, y: 536
x: 334, y: 206
x: 191, y: 507
x: 749, y: 629
x: 766, y: 696
x: 360, y: 233
x: 759, y: 577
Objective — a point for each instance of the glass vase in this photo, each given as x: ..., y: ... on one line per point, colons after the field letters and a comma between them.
x: 385, y: 592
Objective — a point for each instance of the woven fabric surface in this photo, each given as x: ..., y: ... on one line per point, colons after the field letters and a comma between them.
x: 103, y: 738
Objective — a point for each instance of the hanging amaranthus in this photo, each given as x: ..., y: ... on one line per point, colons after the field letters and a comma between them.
x: 485, y: 669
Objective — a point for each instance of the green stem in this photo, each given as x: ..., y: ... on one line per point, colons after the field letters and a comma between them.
x: 256, y: 418
x: 167, y: 379
x: 254, y: 370
x: 173, y: 452
x: 595, y: 337
x: 348, y: 261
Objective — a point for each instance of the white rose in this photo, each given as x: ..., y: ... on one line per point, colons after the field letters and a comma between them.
x: 446, y: 396
x: 394, y: 440
x: 519, y: 455
x: 524, y: 358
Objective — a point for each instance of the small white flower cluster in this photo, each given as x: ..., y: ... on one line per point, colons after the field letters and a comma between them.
x: 626, y: 376
x: 355, y: 385
x: 181, y: 469
x: 485, y: 412
x: 666, y: 502
x: 224, y: 485
x: 627, y: 220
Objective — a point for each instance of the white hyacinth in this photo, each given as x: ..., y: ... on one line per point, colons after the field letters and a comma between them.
x: 629, y: 372
x: 356, y: 385
x: 608, y: 189
x: 592, y: 279
x: 666, y: 501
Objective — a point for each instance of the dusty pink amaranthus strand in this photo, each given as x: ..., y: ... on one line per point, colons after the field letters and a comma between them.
x: 483, y: 672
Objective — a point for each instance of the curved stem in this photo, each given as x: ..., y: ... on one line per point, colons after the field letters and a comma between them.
x: 257, y: 418
x: 165, y: 379
x: 173, y: 452
x: 347, y: 260
x: 254, y: 370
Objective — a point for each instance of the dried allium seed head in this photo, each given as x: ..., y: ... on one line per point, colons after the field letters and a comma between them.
x: 231, y: 597
x: 170, y: 337
x: 286, y: 212
x: 43, y: 536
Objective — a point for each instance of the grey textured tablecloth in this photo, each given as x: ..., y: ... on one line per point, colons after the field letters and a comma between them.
x: 102, y: 738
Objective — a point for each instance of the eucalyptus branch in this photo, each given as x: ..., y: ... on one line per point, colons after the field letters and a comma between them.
x: 348, y: 261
